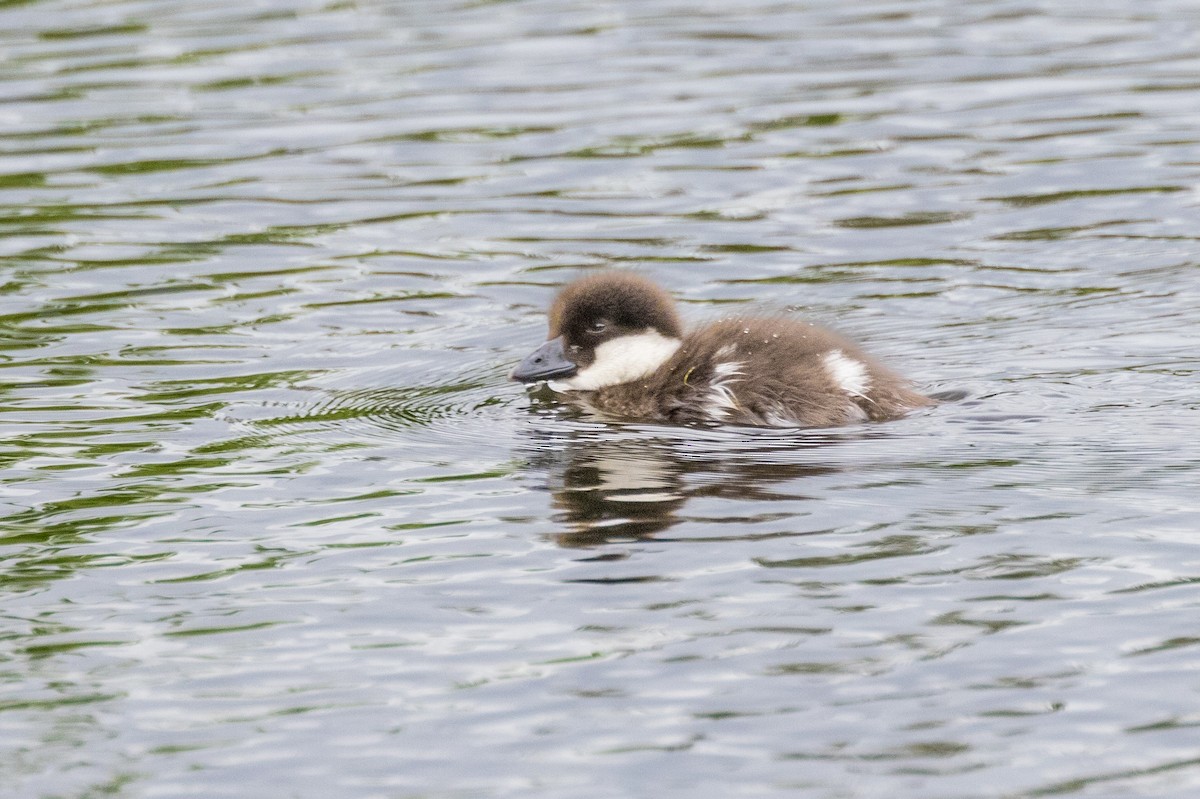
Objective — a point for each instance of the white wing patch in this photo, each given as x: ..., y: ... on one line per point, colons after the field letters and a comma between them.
x: 776, y: 416
x: 621, y: 360
x: 850, y: 375
x: 720, y: 399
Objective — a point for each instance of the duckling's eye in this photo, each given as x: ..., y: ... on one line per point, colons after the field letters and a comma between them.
x: 598, y: 326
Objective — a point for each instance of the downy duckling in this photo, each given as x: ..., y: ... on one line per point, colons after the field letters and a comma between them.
x: 616, y: 346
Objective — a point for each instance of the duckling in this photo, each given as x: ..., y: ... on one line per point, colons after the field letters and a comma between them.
x: 616, y: 346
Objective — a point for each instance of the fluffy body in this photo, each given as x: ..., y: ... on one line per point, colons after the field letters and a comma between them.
x: 772, y: 372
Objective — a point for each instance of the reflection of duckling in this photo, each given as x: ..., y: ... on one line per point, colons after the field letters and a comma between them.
x: 616, y: 345
x: 634, y: 489
x: 617, y: 490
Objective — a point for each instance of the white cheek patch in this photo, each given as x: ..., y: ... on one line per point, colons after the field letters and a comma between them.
x: 850, y: 375
x: 621, y: 360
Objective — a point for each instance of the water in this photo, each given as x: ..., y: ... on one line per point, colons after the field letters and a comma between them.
x: 275, y: 524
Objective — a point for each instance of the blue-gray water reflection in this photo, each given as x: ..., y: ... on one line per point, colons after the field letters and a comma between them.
x: 273, y: 522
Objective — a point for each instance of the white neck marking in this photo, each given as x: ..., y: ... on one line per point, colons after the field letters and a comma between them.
x: 621, y: 360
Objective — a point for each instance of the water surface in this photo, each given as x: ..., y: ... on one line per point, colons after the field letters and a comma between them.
x: 273, y: 522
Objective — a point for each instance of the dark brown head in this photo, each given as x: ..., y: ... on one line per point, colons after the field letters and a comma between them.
x: 607, y: 328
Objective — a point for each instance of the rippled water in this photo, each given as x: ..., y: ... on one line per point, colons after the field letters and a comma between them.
x: 275, y: 524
